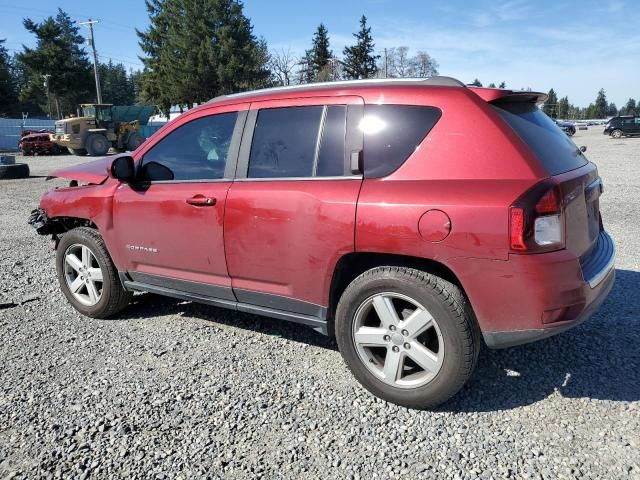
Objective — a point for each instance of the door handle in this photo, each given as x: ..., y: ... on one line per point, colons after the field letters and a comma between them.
x: 201, y: 201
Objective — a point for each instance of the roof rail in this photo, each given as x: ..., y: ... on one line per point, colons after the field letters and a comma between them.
x: 435, y: 81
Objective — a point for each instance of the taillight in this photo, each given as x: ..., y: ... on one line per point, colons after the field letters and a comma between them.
x: 536, y: 220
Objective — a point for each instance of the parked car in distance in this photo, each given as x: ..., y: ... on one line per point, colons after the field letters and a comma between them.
x: 623, y: 126
x: 411, y: 220
x: 581, y: 125
x: 39, y: 144
x: 567, y: 127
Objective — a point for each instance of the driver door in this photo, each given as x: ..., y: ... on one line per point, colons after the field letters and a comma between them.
x: 169, y: 223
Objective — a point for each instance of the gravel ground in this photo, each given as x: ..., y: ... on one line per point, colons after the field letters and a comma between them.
x: 172, y: 389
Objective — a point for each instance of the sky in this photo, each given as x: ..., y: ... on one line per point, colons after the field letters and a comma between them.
x: 575, y: 47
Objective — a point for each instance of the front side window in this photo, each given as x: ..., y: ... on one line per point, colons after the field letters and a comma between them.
x: 299, y: 142
x: 197, y: 150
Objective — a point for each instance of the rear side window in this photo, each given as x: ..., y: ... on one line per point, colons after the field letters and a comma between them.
x: 284, y: 142
x: 332, y: 145
x: 392, y: 133
x: 552, y: 147
x: 299, y: 142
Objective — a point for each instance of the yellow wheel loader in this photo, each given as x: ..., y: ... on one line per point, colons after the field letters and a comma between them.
x: 99, y: 127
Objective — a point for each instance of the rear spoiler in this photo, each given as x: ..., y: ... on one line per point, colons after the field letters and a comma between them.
x: 497, y: 96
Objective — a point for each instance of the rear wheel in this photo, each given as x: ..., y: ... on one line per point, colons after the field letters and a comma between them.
x: 616, y: 133
x: 81, y: 152
x: 87, y: 276
x: 407, y: 336
x: 97, y: 145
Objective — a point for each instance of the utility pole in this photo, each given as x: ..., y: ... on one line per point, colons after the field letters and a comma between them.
x: 95, y: 57
x: 46, y: 84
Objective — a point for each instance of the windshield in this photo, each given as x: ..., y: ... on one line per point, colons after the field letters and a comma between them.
x: 89, y: 111
x: 556, y: 151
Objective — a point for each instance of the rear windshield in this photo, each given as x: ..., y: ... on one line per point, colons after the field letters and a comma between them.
x: 556, y: 152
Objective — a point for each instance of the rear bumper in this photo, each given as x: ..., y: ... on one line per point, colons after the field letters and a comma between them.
x: 519, y: 337
x: 531, y: 297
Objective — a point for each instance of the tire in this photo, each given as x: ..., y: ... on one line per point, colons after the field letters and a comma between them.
x: 17, y: 170
x: 109, y: 296
x: 81, y: 152
x: 451, y: 336
x: 571, y: 132
x: 134, y: 141
x: 97, y: 145
x: 617, y: 133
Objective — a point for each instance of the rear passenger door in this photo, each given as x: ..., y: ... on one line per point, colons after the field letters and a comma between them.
x: 290, y: 213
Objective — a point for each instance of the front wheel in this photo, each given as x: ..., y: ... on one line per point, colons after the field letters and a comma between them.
x: 409, y: 337
x: 87, y: 276
x: 97, y: 145
x: 616, y: 133
x: 134, y: 141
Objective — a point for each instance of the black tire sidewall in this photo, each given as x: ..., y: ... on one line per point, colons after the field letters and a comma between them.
x: 97, y: 137
x: 77, y: 236
x: 134, y: 141
x: 14, y: 171
x: 446, y: 382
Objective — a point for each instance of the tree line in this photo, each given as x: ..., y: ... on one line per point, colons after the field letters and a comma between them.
x: 194, y: 50
x: 55, y: 76
x: 600, y: 108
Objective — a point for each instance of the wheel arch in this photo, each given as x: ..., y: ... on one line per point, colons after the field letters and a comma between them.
x: 353, y: 264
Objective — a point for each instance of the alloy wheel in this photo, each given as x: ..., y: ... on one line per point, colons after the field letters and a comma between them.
x: 83, y: 274
x: 398, y: 340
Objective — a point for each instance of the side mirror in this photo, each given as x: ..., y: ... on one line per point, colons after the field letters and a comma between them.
x: 123, y: 169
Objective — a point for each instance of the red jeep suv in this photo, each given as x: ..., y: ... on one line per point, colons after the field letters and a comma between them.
x: 409, y: 219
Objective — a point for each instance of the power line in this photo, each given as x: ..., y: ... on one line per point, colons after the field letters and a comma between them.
x: 48, y: 13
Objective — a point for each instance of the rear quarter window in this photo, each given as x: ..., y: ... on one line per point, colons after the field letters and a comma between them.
x: 551, y: 146
x: 392, y: 133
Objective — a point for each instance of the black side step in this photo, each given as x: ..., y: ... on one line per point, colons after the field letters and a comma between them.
x: 319, y: 324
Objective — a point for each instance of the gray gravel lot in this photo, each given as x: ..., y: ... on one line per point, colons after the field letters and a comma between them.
x: 172, y: 389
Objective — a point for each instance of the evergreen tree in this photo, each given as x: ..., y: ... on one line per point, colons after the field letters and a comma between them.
x: 563, y: 108
x: 600, y: 105
x: 491, y: 85
x: 117, y: 87
x: 198, y: 49
x: 60, y: 55
x: 629, y: 108
x: 359, y: 60
x: 318, y: 58
x: 135, y: 79
x: 550, y: 107
x: 8, y: 85
x: 153, y: 43
x: 476, y: 83
x: 612, y: 110
x: 502, y: 84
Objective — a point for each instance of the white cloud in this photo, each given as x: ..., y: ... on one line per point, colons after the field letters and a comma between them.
x: 514, y: 41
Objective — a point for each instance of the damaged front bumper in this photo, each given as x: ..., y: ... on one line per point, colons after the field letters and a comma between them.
x: 39, y: 220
